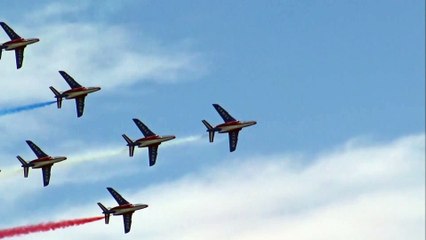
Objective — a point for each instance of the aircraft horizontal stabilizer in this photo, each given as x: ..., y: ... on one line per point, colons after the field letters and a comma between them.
x: 210, y: 130
x: 105, y: 211
x: 25, y: 165
x: 58, y: 96
x: 130, y: 144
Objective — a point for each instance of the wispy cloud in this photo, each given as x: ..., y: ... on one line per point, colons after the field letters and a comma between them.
x: 100, y: 53
x: 55, y: 11
x: 364, y: 192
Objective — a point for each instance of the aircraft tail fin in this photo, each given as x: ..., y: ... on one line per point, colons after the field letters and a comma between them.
x: 58, y: 96
x: 131, y: 145
x: 105, y: 211
x: 210, y: 130
x: 24, y: 165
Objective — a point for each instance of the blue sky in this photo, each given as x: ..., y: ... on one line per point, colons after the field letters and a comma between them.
x: 325, y: 80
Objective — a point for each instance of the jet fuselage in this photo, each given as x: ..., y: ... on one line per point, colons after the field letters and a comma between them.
x: 230, y: 126
x: 152, y: 140
x: 78, y: 92
x: 127, y: 208
x: 18, y: 43
x: 41, y: 162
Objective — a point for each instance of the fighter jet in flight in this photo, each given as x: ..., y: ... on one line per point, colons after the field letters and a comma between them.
x: 43, y: 161
x: 16, y: 43
x: 76, y: 92
x: 124, y: 208
x: 231, y: 126
x: 151, y: 140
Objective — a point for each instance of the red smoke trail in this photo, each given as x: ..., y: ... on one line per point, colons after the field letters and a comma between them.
x: 44, y: 227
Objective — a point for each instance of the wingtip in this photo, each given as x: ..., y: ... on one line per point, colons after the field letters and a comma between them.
x: 63, y: 73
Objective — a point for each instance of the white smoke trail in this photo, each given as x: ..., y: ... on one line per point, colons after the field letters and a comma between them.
x: 10, y: 172
x: 102, y: 154
x: 184, y: 140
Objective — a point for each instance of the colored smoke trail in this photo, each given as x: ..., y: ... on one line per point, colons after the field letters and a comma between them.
x: 24, y: 108
x: 44, y: 227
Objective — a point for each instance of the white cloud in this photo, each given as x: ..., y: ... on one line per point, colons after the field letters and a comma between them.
x: 355, y: 192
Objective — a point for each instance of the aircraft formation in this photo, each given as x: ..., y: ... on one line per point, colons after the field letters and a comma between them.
x: 149, y: 140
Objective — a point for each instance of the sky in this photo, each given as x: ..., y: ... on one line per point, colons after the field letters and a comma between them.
x: 337, y: 89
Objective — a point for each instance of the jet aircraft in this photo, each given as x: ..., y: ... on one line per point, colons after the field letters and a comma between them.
x: 16, y: 43
x: 150, y: 140
x: 76, y: 92
x: 231, y: 126
x: 43, y: 161
x: 124, y: 208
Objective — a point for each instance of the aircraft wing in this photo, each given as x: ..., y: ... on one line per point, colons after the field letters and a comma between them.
x: 143, y: 128
x: 120, y: 200
x: 127, y: 220
x: 46, y: 174
x: 152, y: 154
x: 79, y: 103
x: 223, y: 113
x: 37, y: 151
x: 19, y: 55
x: 233, y: 140
x: 70, y: 80
x: 12, y: 34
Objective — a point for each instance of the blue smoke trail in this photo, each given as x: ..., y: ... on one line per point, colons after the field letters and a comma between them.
x: 29, y: 107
